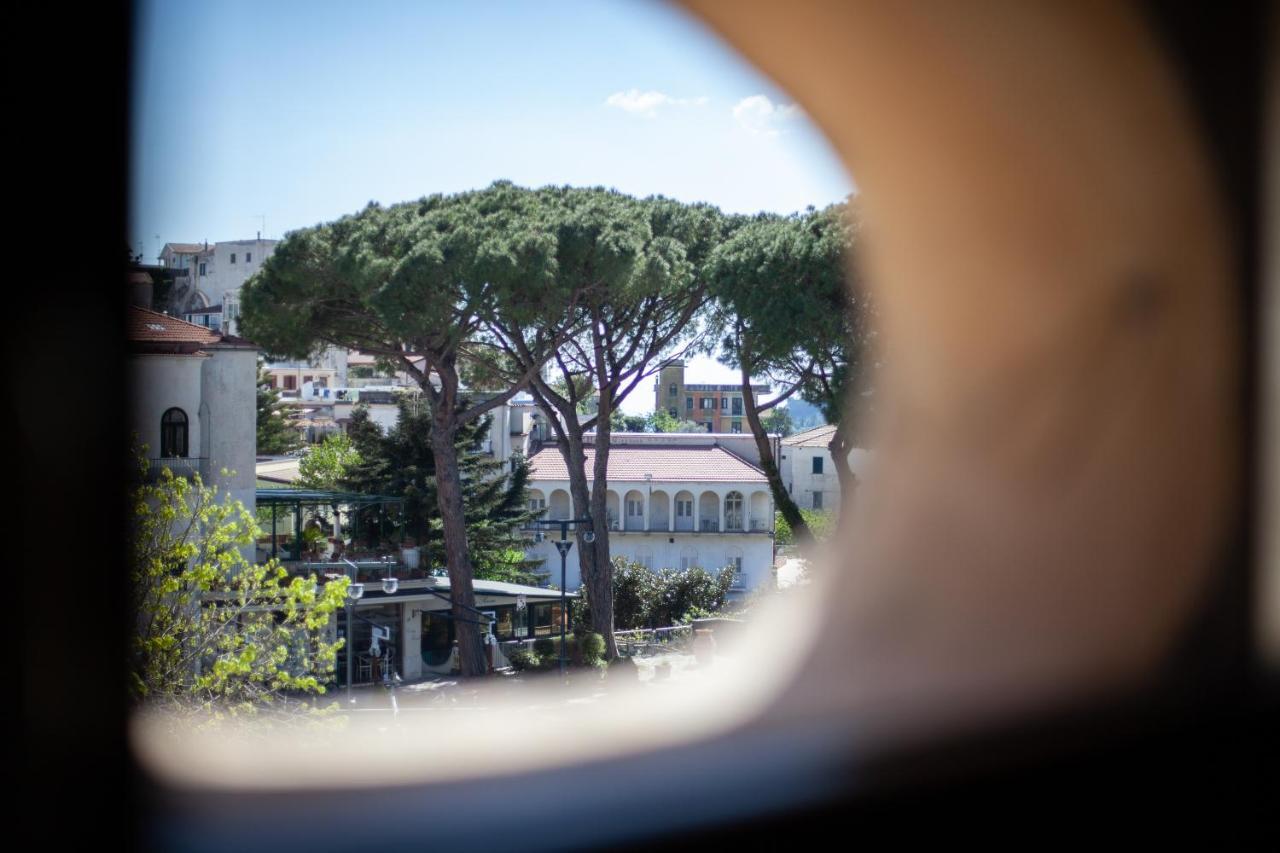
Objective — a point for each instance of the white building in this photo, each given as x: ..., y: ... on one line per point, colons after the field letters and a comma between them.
x: 207, y: 275
x: 194, y: 400
x: 808, y: 468
x: 674, y: 501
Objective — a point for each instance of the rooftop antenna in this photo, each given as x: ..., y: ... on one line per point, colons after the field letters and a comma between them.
x: 263, y: 217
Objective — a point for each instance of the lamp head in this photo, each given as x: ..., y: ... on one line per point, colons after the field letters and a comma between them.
x: 355, y: 591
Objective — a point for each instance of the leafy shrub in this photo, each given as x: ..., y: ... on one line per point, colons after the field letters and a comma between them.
x: 592, y: 646
x: 545, y: 647
x: 646, y: 599
x: 820, y: 523
x: 523, y: 659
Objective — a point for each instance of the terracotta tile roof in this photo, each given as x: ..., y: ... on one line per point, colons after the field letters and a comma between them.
x: 153, y: 327
x: 816, y: 437
x: 151, y: 331
x: 665, y: 462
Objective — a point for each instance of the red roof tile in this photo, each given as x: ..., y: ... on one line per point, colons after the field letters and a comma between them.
x: 151, y: 331
x: 152, y: 326
x: 666, y: 463
x: 817, y: 437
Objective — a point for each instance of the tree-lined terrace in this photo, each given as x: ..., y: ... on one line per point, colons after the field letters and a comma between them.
x: 486, y: 289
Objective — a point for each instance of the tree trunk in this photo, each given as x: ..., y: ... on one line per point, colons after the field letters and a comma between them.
x: 786, y: 506
x: 600, y: 583
x: 576, y: 461
x: 461, y: 574
x: 840, y: 447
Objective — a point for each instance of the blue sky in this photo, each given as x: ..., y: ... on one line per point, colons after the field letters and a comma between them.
x: 296, y: 113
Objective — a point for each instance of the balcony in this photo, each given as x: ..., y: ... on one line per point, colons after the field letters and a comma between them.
x: 759, y: 525
x: 181, y: 466
x: 709, y: 525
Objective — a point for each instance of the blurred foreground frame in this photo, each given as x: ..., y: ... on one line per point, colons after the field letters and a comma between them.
x: 1065, y: 446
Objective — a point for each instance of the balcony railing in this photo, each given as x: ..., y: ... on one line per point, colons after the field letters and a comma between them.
x: 367, y: 571
x: 181, y: 466
x: 759, y: 525
x: 709, y: 525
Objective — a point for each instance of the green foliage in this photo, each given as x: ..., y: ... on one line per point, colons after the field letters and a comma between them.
x: 618, y: 422
x: 545, y: 647
x: 326, y: 464
x: 661, y: 421
x: 276, y: 436
x: 402, y: 464
x: 215, y: 632
x: 648, y: 599
x: 593, y: 648
x: 524, y: 659
x: 821, y: 523
x: 777, y: 421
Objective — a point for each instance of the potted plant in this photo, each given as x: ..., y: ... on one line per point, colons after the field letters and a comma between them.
x: 313, y: 539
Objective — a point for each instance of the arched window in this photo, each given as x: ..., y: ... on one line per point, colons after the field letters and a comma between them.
x: 173, y: 434
x: 733, y: 511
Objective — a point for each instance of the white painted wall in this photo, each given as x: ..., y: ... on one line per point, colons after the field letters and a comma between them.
x: 161, y: 382
x: 217, y: 392
x: 663, y: 548
x: 801, y: 482
x: 231, y: 428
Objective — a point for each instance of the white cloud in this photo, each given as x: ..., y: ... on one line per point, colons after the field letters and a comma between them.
x: 647, y: 103
x: 759, y: 115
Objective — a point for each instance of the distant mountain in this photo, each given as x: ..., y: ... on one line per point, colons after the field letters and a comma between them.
x: 804, y: 415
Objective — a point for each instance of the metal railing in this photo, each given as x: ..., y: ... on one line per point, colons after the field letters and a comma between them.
x: 648, y: 641
x: 709, y: 525
x: 181, y: 466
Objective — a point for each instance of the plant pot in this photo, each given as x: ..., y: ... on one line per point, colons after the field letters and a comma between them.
x: 411, y: 557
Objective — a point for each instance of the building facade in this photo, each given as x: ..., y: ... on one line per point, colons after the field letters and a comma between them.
x: 717, y: 408
x: 672, y: 503
x: 808, y: 468
x: 195, y: 400
x: 208, y: 275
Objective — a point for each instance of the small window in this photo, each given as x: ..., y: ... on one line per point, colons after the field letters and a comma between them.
x: 672, y: 391
x: 724, y: 404
x: 173, y: 434
x: 736, y: 426
x: 684, y: 509
x: 817, y: 464
x: 248, y: 257
x: 635, y: 508
x: 290, y: 383
x: 817, y: 500
x: 233, y: 257
x: 672, y: 412
x: 737, y: 405
x: 708, y: 403
x: 202, y: 269
x: 688, y: 402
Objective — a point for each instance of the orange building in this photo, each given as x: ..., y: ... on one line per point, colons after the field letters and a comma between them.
x: 717, y: 408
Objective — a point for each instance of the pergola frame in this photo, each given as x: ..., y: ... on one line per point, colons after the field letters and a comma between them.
x: 297, y: 499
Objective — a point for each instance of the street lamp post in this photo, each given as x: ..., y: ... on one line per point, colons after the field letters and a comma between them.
x: 355, y: 592
x: 564, y: 546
